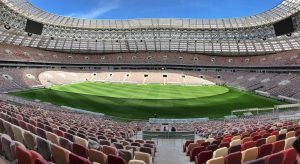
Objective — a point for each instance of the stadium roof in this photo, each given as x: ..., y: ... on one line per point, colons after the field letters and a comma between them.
x: 283, y: 10
x: 246, y: 35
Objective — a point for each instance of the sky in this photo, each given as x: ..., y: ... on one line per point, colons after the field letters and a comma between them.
x: 134, y: 9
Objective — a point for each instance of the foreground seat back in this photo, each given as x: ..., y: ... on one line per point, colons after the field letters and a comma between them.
x: 126, y: 155
x: 248, y: 145
x: 247, y: 139
x: 281, y: 137
x: 203, y: 157
x: 136, y: 162
x: 109, y: 150
x: 264, y: 150
x: 271, y: 139
x: 221, y: 152
x: 65, y: 143
x: 73, y: 158
x: 7, y: 143
x: 143, y: 157
x: 97, y: 156
x: 8, y: 129
x: 196, y: 151
x: 233, y: 158
x: 275, y: 158
x: 235, y: 142
x: 81, y: 141
x: 23, y: 156
x: 41, y: 132
x: 249, y: 154
x: 113, y: 159
x: 257, y: 161
x: 30, y: 140
x: 219, y: 160
x: 44, y: 148
x: 59, y: 154
x: 260, y: 142
x: 53, y: 138
x: 147, y: 150
x: 278, y: 146
x: 18, y: 134
x: 80, y: 150
x: 290, y: 134
x: 289, y: 142
x: 234, y: 149
x: 289, y: 156
x: 190, y: 148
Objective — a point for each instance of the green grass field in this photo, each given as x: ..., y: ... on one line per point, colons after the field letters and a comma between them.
x: 133, y: 101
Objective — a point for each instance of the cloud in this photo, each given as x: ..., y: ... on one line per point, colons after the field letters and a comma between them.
x: 98, y: 11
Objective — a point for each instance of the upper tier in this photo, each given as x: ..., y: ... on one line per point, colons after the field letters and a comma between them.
x: 241, y: 36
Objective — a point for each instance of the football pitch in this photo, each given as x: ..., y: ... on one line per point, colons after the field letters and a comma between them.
x: 132, y: 101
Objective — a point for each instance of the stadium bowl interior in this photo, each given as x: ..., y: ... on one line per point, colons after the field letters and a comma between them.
x: 143, y: 91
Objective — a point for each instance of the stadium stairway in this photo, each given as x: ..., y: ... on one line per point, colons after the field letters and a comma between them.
x: 169, y: 151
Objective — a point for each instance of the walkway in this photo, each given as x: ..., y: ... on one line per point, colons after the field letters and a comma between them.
x: 169, y: 151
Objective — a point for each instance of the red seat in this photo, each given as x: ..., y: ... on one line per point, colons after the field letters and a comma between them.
x: 275, y: 158
x: 31, y: 128
x: 228, y: 139
x: 140, y: 141
x: 275, y: 133
x: 255, y: 138
x: 36, y: 155
x: 254, y: 134
x: 289, y: 156
x: 204, y: 156
x: 264, y: 150
x: 27, y: 156
x: 23, y: 124
x: 224, y: 144
x: 58, y: 132
x: 186, y: 144
x: 297, y: 133
x: 248, y: 145
x: 41, y: 161
x: 75, y: 159
x: 80, y: 150
x: 41, y: 132
x: 113, y: 159
x: 233, y: 158
x: 278, y: 146
x: 24, y: 156
x: 196, y: 151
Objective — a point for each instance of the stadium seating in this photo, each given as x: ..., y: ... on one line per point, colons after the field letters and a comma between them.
x: 56, y: 148
x: 53, y: 136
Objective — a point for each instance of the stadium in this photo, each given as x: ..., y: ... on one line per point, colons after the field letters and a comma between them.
x: 82, y: 89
